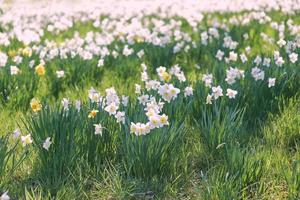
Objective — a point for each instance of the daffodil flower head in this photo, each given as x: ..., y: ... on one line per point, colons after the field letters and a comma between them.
x: 35, y: 105
x: 93, y: 114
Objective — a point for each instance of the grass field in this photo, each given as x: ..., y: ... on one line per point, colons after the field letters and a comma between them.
x: 150, y: 101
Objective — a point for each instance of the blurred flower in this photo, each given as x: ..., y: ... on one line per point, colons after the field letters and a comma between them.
x: 125, y: 100
x: 98, y: 129
x: 40, y: 70
x: 16, y: 133
x: 271, y: 82
x: 137, y: 89
x: 188, y: 91
x: 4, y: 196
x: 65, y: 103
x: 47, y: 143
x: 120, y: 116
x: 257, y: 74
x: 207, y: 79
x: 60, y: 74
x: 143, y: 99
x: 78, y: 105
x: 100, y: 63
x: 26, y: 140
x: 293, y: 57
x: 14, y: 70
x: 93, y: 114
x: 209, y: 99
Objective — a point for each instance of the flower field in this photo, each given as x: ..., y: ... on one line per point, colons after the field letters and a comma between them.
x: 150, y: 100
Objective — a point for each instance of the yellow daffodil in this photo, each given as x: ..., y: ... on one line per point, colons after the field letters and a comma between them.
x: 40, y: 70
x: 12, y: 53
x: 35, y: 105
x: 93, y: 114
x: 26, y: 52
x: 138, y: 39
x: 166, y: 76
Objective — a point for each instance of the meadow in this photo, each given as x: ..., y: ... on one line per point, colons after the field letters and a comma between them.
x: 150, y: 100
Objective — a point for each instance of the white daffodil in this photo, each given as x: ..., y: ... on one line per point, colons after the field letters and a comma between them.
x: 60, y: 73
x: 65, y: 103
x: 217, y: 92
x: 271, y: 82
x: 188, y: 91
x: 231, y: 93
x: 120, y: 116
x: 4, y: 196
x: 111, y: 108
x: 78, y: 105
x: 137, y: 89
x: 293, y: 57
x: 26, y: 140
x: 98, y: 129
x: 209, y: 99
x: 47, y: 143
x: 14, y: 70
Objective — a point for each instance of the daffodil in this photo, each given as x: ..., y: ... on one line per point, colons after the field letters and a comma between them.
x: 26, y: 52
x: 47, y: 143
x: 26, y: 140
x: 93, y: 114
x: 166, y: 76
x: 35, y: 105
x: 271, y: 82
x: 98, y: 129
x: 40, y: 70
x: 4, y: 196
x: 231, y: 93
